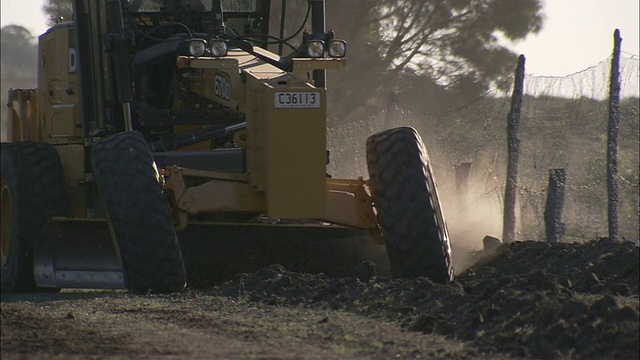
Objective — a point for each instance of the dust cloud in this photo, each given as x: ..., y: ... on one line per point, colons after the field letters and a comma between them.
x: 469, y: 221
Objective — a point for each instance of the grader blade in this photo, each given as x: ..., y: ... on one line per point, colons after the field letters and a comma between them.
x: 217, y: 252
x: 74, y: 253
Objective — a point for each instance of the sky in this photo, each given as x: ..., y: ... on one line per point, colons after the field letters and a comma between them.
x: 576, y: 35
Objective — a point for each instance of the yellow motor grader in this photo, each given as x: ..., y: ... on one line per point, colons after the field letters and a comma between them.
x: 156, y: 118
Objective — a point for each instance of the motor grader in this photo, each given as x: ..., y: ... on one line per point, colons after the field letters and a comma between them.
x: 155, y: 118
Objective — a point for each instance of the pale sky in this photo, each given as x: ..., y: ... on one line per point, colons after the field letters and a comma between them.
x: 577, y: 33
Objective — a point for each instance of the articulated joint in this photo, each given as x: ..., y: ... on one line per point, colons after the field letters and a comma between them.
x: 349, y: 203
x: 174, y: 184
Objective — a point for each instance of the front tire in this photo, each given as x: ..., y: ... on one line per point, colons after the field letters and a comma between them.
x: 408, y: 209
x: 139, y: 215
x: 31, y: 193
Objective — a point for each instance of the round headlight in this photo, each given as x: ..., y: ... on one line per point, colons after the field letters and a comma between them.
x: 197, y: 47
x: 219, y: 48
x: 315, y: 48
x: 337, y: 48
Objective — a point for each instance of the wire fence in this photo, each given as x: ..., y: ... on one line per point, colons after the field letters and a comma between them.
x: 563, y: 125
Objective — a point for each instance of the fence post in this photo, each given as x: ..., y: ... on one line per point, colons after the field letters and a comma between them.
x: 554, y: 226
x: 462, y: 184
x: 513, y: 143
x: 392, y: 110
x: 612, y: 138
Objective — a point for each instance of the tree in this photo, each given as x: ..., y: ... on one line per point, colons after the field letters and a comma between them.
x: 445, y: 40
x: 19, y: 52
x: 454, y: 49
x: 18, y: 64
x: 58, y: 11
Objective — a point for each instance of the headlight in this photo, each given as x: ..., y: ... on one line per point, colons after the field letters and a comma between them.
x: 197, y: 47
x: 337, y: 48
x: 315, y: 48
x: 219, y: 48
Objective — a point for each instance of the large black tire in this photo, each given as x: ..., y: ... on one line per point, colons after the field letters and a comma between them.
x: 31, y: 192
x: 139, y: 215
x: 406, y: 201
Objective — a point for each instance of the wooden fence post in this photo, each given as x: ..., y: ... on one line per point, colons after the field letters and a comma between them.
x: 462, y: 185
x: 392, y: 110
x: 554, y: 226
x: 612, y: 138
x: 513, y: 143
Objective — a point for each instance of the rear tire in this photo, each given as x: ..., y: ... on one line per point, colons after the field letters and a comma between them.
x: 31, y: 193
x: 139, y: 215
x: 406, y: 200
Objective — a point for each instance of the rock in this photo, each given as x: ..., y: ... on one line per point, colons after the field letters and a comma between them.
x: 491, y: 243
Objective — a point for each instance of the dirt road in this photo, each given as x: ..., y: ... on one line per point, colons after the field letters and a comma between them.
x: 527, y: 300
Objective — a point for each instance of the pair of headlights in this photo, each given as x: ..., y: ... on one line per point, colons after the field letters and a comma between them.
x: 318, y: 48
x: 217, y: 48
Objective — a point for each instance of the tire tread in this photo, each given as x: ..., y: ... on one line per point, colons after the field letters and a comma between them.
x: 407, y: 205
x: 139, y: 215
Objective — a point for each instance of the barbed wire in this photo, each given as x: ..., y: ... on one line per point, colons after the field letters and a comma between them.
x: 590, y: 68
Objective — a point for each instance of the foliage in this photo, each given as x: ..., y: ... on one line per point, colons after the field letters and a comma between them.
x: 454, y: 41
x: 58, y: 11
x: 18, y: 58
x: 19, y: 52
x: 451, y: 50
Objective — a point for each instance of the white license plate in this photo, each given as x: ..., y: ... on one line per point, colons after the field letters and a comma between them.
x: 297, y: 100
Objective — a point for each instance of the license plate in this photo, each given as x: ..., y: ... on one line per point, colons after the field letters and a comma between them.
x: 297, y: 100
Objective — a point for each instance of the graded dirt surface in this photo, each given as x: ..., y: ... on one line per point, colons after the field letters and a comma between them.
x: 525, y: 300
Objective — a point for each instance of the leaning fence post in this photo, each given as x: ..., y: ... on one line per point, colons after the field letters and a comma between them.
x: 513, y: 143
x: 554, y: 226
x: 612, y: 138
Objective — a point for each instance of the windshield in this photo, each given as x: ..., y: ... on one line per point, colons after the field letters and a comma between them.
x: 160, y: 5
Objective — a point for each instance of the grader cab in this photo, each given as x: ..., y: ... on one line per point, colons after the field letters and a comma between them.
x: 158, y: 121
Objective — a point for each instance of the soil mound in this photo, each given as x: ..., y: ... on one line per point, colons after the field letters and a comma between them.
x: 529, y: 299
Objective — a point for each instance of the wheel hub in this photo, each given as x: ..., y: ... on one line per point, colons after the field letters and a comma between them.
x: 6, y: 217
